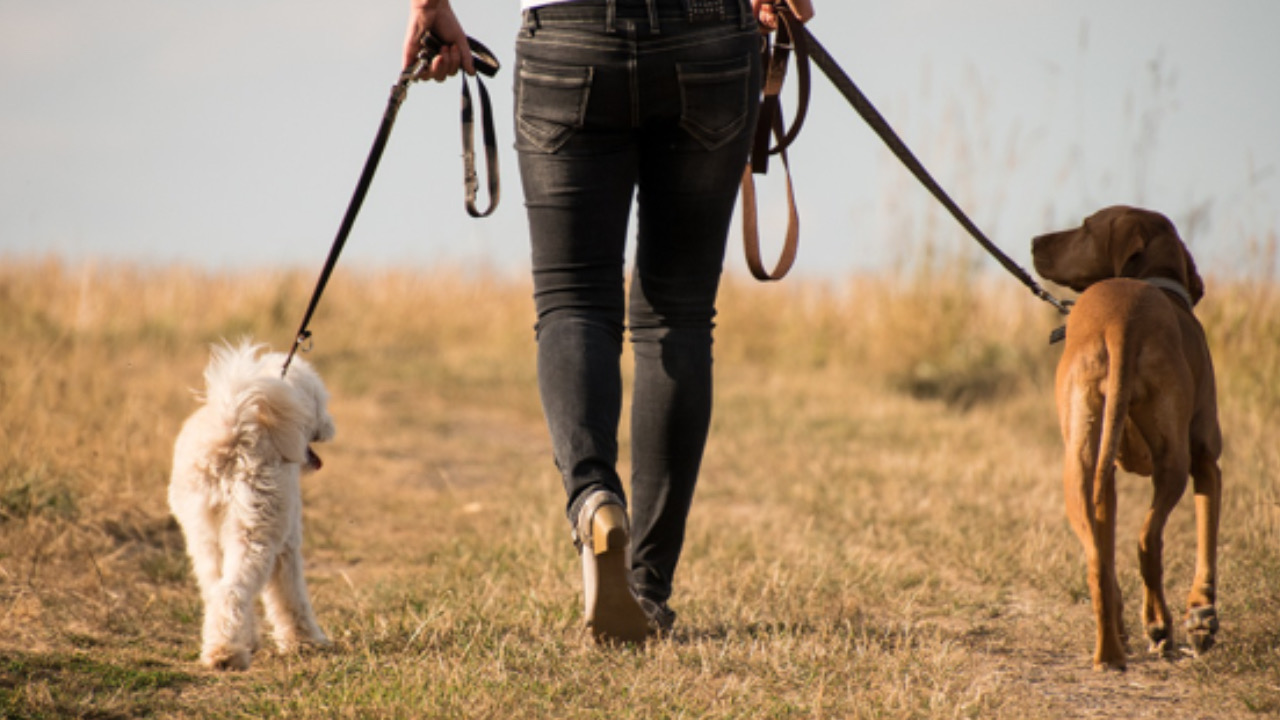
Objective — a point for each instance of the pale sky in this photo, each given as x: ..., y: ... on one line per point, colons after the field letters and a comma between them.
x: 231, y: 134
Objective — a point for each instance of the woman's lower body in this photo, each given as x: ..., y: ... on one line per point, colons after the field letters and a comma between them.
x: 656, y: 100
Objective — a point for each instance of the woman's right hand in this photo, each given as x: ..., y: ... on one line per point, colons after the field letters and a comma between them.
x: 436, y: 17
x: 767, y: 16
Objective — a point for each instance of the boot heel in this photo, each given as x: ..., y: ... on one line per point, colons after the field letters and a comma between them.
x: 609, y: 530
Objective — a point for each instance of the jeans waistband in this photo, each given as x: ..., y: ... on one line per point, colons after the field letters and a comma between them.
x: 606, y: 14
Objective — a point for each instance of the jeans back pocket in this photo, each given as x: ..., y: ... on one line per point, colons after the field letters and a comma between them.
x: 714, y: 99
x: 551, y: 103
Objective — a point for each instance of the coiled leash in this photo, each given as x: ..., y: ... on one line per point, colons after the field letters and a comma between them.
x: 486, y: 63
x: 794, y: 38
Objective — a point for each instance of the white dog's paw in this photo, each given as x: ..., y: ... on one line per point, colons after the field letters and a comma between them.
x: 319, y: 639
x: 225, y: 657
x: 302, y: 639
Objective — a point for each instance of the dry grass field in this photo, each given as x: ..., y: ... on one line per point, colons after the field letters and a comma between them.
x: 879, y: 531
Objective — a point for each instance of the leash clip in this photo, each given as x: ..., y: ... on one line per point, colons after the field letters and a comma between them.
x: 304, y: 336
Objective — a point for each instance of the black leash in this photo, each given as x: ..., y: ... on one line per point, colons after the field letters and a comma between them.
x: 805, y: 47
x: 486, y: 63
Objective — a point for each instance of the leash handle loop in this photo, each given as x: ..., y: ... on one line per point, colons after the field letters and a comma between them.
x: 750, y: 223
x: 775, y: 56
x: 789, y: 43
x: 770, y: 122
x: 470, y: 180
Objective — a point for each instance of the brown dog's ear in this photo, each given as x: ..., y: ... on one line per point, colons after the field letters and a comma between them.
x: 1195, y: 285
x: 1126, y: 241
x: 1165, y: 254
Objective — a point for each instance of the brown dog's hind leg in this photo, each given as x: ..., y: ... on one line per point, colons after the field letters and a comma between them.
x: 1104, y: 590
x: 1202, y: 615
x: 1169, y: 485
x: 1112, y: 653
x: 1096, y: 531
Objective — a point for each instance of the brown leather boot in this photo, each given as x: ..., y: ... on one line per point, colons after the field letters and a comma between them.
x: 603, y: 535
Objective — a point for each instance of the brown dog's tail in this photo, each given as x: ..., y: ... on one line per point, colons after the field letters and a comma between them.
x: 1115, y: 409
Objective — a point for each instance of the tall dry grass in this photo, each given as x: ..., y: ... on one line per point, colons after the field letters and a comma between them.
x: 878, y: 532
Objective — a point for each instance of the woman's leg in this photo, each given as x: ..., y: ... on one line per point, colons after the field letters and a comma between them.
x: 578, y: 160
x: 695, y: 148
x: 578, y: 165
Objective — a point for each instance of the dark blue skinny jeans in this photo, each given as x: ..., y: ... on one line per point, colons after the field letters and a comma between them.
x: 615, y: 99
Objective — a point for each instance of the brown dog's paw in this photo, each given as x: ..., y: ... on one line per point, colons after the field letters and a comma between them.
x: 1160, y: 641
x: 1202, y: 627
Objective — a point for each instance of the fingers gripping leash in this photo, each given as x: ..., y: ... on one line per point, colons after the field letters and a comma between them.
x: 485, y: 61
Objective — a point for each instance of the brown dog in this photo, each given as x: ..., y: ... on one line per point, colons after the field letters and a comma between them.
x: 1135, y: 386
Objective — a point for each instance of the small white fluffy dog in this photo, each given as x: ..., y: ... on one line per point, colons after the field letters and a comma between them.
x: 235, y: 490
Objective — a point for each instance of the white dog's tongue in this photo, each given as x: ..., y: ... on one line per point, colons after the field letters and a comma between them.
x: 313, y: 460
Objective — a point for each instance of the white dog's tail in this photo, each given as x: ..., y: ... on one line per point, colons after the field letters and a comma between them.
x: 257, y: 408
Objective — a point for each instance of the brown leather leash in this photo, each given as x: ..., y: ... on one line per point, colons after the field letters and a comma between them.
x: 795, y: 39
x: 486, y: 63
x: 771, y: 123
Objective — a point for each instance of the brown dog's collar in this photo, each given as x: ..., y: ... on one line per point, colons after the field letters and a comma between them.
x: 1174, y: 287
x: 1060, y: 333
